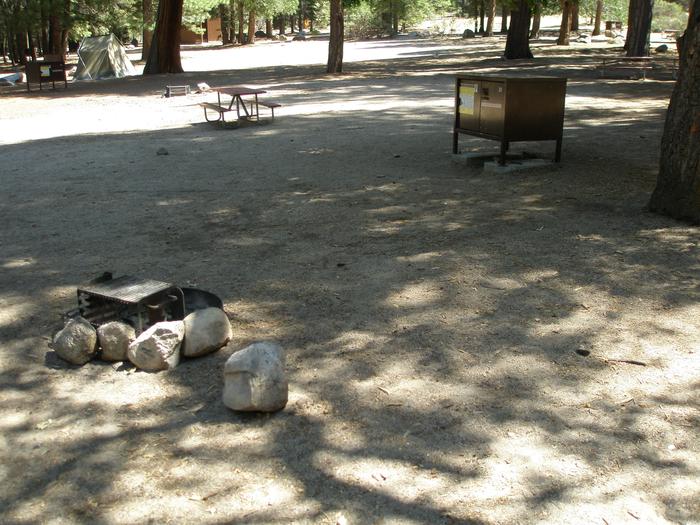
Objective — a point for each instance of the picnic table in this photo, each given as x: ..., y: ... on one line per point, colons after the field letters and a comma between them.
x: 236, y: 93
x: 639, y: 65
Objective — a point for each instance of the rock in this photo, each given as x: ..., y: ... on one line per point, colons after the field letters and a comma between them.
x: 162, y: 151
x: 158, y: 348
x: 584, y: 39
x: 662, y: 48
x: 468, y: 33
x: 260, y: 34
x: 254, y: 379
x: 206, y: 331
x: 282, y: 38
x: 77, y: 342
x: 115, y: 338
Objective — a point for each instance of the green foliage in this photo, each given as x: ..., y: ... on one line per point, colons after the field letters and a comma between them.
x: 194, y: 12
x: 270, y: 8
x: 366, y: 18
x: 100, y: 17
x: 361, y: 22
x: 668, y: 16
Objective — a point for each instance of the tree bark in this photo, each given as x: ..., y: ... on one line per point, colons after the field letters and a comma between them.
x: 677, y: 190
x: 164, y: 55
x: 639, y: 28
x: 480, y: 7
x: 55, y: 33
x: 147, y: 36
x: 283, y: 24
x: 598, y: 17
x: 565, y: 28
x: 335, y: 45
x: 536, y: 20
x: 574, y: 15
x: 251, y: 27
x: 268, y: 27
x: 44, y: 28
x: 504, y: 18
x: 65, y: 27
x: 225, y: 16
x: 517, y: 42
x: 491, y: 17
x: 241, y: 22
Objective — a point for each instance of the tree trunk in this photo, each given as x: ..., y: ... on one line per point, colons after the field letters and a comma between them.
x: 147, y: 36
x: 677, y: 190
x: 225, y: 16
x: 251, y: 27
x: 164, y: 56
x: 44, y: 32
x: 504, y: 18
x: 268, y: 27
x: 282, y: 25
x: 241, y: 21
x: 598, y: 17
x: 491, y: 17
x: 639, y: 28
x: 574, y: 15
x: 21, y: 39
x: 335, y: 45
x: 65, y: 27
x: 32, y: 47
x: 55, y: 33
x: 517, y: 42
x: 564, y: 29
x: 536, y: 20
x: 481, y: 16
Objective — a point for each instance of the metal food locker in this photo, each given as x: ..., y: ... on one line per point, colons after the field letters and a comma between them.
x: 509, y: 109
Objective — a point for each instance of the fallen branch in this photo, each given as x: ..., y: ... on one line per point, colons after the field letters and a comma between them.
x: 628, y: 361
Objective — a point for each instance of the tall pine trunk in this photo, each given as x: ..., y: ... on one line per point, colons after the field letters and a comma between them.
x: 574, y: 15
x: 491, y: 17
x: 164, y: 56
x: 677, y: 190
x: 639, y: 28
x: 251, y: 27
x: 481, y: 16
x: 335, y: 45
x: 518, y: 42
x: 536, y: 21
x: 147, y: 36
x: 504, y: 18
x: 598, y: 17
x: 241, y: 21
x: 565, y: 27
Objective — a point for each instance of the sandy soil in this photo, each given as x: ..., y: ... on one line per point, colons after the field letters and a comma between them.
x: 431, y: 312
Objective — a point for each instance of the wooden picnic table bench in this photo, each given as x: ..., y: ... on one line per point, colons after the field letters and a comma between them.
x: 639, y: 64
x: 271, y: 105
x: 221, y: 110
x: 237, y: 93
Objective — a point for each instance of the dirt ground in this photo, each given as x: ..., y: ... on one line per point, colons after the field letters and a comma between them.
x: 430, y: 312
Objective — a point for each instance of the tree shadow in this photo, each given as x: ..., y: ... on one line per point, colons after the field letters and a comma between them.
x: 431, y: 314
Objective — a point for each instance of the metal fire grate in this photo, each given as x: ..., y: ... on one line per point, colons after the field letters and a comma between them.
x: 139, y: 302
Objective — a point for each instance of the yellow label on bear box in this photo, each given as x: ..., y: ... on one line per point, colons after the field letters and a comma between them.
x: 466, y: 99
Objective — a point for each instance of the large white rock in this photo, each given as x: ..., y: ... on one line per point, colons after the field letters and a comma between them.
x: 254, y: 379
x: 206, y: 330
x: 115, y: 338
x: 158, y: 348
x: 77, y: 342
